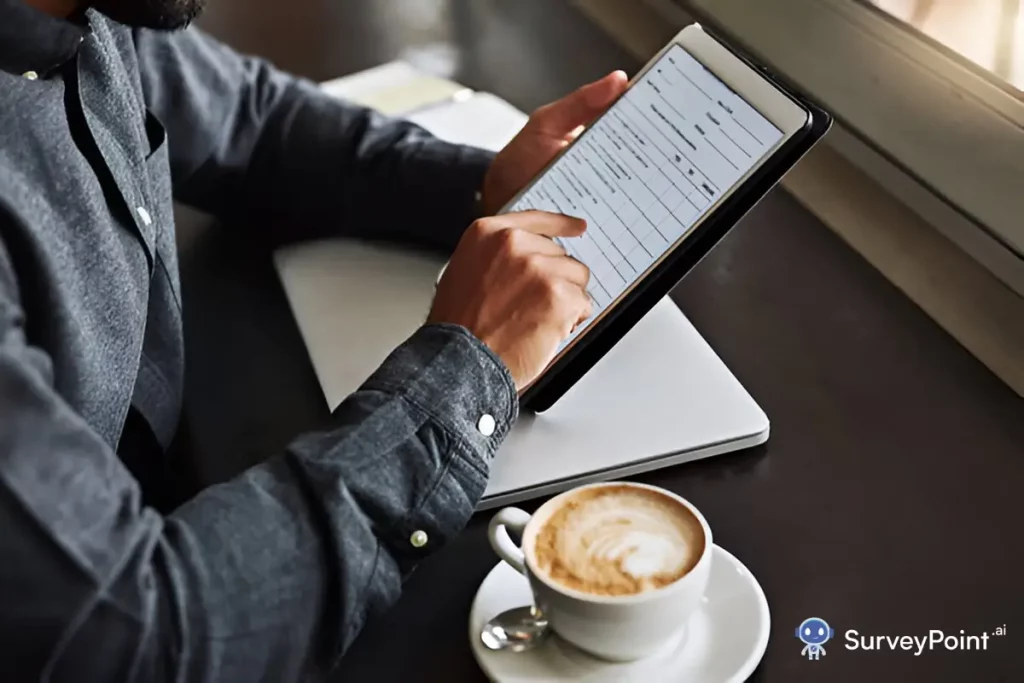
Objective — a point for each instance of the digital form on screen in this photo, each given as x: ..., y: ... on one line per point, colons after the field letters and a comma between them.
x: 649, y: 169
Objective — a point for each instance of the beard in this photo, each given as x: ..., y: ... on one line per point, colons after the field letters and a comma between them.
x: 162, y: 15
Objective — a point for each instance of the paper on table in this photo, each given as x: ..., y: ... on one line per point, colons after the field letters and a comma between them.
x: 395, y: 88
x: 355, y: 302
x: 482, y: 120
x: 365, y: 83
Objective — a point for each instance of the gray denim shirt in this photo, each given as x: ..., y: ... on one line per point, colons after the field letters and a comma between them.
x: 272, y: 574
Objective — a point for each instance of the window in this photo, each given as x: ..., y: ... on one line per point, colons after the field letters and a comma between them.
x: 988, y: 33
x: 928, y: 96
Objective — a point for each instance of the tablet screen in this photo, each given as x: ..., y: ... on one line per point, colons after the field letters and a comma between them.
x: 648, y: 170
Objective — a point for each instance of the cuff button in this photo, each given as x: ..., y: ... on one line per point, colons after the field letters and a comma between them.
x: 418, y: 538
x: 486, y: 424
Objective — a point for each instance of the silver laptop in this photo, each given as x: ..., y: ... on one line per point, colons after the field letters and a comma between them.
x: 659, y: 398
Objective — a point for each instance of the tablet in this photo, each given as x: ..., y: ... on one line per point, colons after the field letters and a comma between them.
x: 697, y: 139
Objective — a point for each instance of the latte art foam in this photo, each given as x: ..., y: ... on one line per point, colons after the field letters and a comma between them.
x: 618, y: 541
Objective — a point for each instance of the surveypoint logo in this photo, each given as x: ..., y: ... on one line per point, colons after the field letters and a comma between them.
x: 934, y: 640
x: 815, y: 632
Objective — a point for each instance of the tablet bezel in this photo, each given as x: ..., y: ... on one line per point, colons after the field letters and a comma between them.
x: 757, y: 89
x: 748, y: 83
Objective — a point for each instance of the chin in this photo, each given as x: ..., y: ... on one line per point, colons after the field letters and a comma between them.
x: 161, y: 15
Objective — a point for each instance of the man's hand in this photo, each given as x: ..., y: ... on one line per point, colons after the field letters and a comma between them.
x: 515, y: 289
x: 547, y: 133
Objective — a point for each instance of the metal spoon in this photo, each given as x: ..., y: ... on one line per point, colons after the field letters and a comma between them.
x: 517, y: 630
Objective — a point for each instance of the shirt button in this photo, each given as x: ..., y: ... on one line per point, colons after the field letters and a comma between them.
x: 144, y: 215
x: 30, y: 75
x: 486, y: 424
x: 418, y: 538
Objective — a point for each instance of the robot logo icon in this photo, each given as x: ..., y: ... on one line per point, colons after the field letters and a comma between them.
x: 814, y: 633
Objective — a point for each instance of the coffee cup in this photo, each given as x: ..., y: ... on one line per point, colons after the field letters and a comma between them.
x: 616, y: 568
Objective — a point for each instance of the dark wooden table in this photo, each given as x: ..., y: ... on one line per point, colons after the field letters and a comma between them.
x: 890, y: 498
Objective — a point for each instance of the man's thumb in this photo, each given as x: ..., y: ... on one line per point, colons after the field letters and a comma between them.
x: 580, y: 107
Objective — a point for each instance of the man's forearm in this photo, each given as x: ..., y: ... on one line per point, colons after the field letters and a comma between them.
x: 350, y: 171
x: 259, y: 577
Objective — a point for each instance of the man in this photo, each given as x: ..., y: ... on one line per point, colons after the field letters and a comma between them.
x: 105, y: 114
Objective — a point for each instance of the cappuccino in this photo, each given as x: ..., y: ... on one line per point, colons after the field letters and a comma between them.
x: 618, y: 540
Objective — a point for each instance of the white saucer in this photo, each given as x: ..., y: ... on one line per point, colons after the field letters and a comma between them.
x: 724, y: 641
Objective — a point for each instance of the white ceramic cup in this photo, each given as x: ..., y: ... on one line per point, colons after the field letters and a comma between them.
x: 619, y: 628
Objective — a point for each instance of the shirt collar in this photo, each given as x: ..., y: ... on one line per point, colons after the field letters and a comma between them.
x: 32, y: 42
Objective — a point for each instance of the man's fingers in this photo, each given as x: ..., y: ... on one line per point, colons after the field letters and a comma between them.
x: 532, y: 243
x: 544, y: 223
x: 578, y: 108
x: 547, y: 223
x: 586, y: 309
x: 568, y: 268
